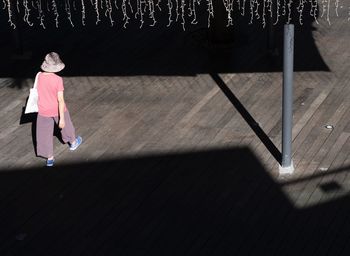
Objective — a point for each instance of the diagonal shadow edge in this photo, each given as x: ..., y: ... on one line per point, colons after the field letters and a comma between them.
x: 248, y: 118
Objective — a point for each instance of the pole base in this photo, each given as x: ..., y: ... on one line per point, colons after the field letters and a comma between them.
x: 286, y: 169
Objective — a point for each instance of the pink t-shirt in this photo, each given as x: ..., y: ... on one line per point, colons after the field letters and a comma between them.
x: 48, y: 86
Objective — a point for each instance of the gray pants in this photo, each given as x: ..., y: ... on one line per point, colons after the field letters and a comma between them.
x: 44, y: 133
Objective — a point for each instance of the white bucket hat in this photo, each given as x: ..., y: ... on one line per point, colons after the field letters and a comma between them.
x: 52, y: 63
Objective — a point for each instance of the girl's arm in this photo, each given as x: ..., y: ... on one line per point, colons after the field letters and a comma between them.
x: 61, y: 106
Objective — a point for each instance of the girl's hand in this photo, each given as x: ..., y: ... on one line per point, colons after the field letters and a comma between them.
x: 61, y: 124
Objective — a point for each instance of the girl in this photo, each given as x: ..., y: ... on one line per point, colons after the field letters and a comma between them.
x: 52, y: 109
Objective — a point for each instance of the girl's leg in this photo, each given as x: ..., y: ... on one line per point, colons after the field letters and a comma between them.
x: 44, y: 136
x: 68, y: 132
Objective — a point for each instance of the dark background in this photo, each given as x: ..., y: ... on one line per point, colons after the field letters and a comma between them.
x: 102, y: 50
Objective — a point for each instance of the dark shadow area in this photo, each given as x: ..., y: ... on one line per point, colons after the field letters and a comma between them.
x: 248, y: 118
x: 330, y: 187
x: 219, y: 202
x: 16, y: 83
x: 102, y: 50
x: 27, y: 118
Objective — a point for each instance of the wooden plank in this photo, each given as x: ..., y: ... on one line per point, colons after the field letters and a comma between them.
x: 310, y: 190
x: 189, y: 116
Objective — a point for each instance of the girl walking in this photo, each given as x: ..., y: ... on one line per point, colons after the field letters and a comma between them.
x: 52, y: 109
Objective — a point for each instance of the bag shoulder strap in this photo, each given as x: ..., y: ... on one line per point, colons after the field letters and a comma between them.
x: 36, y: 80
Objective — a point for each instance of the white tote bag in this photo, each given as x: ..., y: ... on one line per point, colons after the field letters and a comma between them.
x: 32, y: 103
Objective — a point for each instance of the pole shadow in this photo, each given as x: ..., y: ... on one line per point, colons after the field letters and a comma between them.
x: 270, y: 146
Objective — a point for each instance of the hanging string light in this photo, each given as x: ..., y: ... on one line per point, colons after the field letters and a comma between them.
x: 257, y: 9
x: 130, y: 6
x: 97, y: 11
x: 68, y: 11
x: 289, y: 7
x: 108, y: 12
x: 125, y: 14
x: 17, y: 6
x: 151, y: 12
x: 40, y: 13
x: 251, y: 5
x: 9, y: 11
x: 277, y: 12
x: 269, y: 7
x: 210, y: 10
x: 284, y: 8
x: 55, y: 11
x: 26, y: 13
x: 158, y: 5
x: 229, y: 9
x: 82, y: 12
x: 265, y: 5
x: 313, y: 10
x: 300, y: 9
x: 170, y: 7
x: 177, y: 10
x: 243, y: 7
x: 192, y: 10
x: 181, y: 12
x: 336, y: 7
x: 140, y: 11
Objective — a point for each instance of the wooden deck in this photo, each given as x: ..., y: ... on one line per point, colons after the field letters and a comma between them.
x: 169, y: 166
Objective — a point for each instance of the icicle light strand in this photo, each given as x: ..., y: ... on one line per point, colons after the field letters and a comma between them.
x: 69, y: 14
x: 181, y: 12
x: 82, y: 12
x: 125, y: 14
x: 336, y: 7
x: 9, y: 11
x: 151, y: 12
x: 97, y: 12
x: 26, y: 13
x: 170, y: 7
x: 210, y: 10
x: 40, y: 13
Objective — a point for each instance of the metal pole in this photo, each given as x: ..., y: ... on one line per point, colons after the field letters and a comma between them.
x: 287, y: 115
